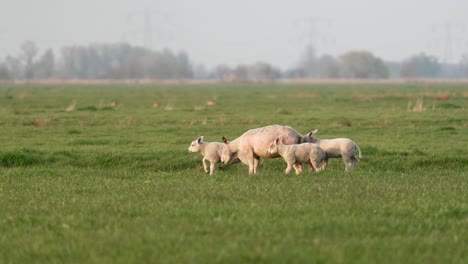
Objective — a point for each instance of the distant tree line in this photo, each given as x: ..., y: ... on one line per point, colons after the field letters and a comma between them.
x: 97, y: 61
x: 123, y: 61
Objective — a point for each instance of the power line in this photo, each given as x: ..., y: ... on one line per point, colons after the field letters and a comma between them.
x: 450, y: 35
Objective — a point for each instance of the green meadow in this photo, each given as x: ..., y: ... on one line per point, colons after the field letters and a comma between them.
x: 101, y: 174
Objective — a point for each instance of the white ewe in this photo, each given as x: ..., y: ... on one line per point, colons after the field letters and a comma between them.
x: 253, y: 144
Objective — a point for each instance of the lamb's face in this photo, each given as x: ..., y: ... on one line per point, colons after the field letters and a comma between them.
x: 273, y: 148
x: 310, y: 137
x: 194, y: 146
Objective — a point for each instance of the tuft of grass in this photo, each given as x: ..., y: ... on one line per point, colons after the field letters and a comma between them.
x: 22, y: 157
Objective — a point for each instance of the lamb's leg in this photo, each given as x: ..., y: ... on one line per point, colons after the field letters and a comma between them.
x: 205, y: 165
x: 298, y: 168
x: 212, y: 167
x: 311, y: 168
x: 355, y: 161
x: 348, y: 164
x: 315, y: 164
x: 289, y: 167
x: 325, y: 163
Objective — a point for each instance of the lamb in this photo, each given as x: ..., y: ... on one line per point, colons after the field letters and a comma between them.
x: 211, y: 151
x: 253, y: 144
x: 335, y: 148
x: 296, y: 154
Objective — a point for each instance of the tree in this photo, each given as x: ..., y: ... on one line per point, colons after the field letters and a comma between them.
x: 14, y: 66
x: 5, y: 73
x: 184, y: 67
x: 420, y: 65
x: 265, y: 72
x: 464, y: 66
x: 224, y: 73
x: 363, y: 64
x: 328, y: 67
x: 200, y: 72
x: 30, y: 51
x: 45, y: 66
x: 241, y: 73
x: 308, y: 64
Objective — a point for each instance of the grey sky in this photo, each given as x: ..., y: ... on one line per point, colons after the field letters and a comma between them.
x: 243, y: 31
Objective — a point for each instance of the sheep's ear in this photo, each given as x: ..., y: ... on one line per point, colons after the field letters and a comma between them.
x: 277, y: 141
x: 200, y: 139
x: 225, y: 140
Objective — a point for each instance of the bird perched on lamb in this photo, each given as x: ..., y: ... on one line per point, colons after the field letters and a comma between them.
x: 336, y: 148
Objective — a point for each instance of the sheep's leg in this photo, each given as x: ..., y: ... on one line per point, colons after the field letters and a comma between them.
x: 205, y: 165
x: 251, y: 162
x: 256, y: 161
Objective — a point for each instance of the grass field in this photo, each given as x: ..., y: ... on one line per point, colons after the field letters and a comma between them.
x: 111, y: 181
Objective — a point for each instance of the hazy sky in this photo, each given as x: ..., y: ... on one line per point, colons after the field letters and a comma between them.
x: 244, y: 31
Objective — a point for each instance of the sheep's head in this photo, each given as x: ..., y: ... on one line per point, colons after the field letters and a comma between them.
x: 226, y: 153
x: 310, y: 137
x: 195, y: 145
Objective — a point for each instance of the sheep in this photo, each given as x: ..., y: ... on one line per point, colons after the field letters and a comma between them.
x: 296, y: 154
x: 336, y: 148
x: 253, y: 144
x: 211, y: 151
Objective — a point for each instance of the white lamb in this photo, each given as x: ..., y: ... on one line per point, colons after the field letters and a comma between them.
x: 336, y: 148
x: 296, y: 154
x: 211, y: 151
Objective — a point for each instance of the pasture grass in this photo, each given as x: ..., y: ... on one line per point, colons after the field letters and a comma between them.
x: 111, y: 181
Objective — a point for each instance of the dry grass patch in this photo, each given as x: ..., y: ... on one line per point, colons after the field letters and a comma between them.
x: 23, y: 96
x: 71, y: 107
x: 417, y: 106
x: 383, y: 123
x: 443, y: 96
x: 42, y: 122
x: 128, y: 122
x: 210, y: 103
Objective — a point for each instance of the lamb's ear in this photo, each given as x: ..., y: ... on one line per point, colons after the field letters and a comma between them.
x: 200, y: 139
x: 277, y: 141
x: 311, y: 133
x: 225, y: 140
